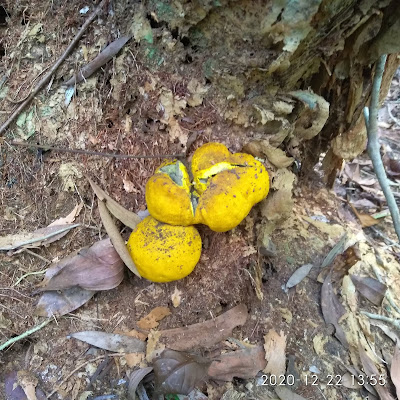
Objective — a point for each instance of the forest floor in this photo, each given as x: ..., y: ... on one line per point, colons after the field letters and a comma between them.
x: 123, y: 108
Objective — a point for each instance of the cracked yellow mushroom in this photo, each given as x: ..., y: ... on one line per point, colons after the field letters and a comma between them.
x: 168, y: 194
x: 225, y: 188
x: 163, y: 252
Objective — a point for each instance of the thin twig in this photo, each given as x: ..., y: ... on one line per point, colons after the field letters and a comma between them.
x: 385, y: 238
x: 81, y: 366
x: 91, y: 153
x: 397, y: 121
x: 24, y: 335
x: 51, y: 71
x: 371, y: 122
x: 393, y: 321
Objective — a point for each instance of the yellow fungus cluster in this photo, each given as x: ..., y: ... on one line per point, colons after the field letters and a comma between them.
x: 225, y: 187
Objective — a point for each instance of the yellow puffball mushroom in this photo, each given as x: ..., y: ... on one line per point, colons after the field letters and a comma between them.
x: 225, y: 188
x: 230, y: 195
x: 162, y: 252
x: 168, y: 194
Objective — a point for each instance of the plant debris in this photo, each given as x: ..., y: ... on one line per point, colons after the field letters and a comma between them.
x: 98, y: 267
x: 177, y: 372
x: 205, y: 334
x: 111, y: 341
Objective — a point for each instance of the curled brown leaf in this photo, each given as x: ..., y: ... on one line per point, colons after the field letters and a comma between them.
x: 178, y: 372
x: 98, y: 267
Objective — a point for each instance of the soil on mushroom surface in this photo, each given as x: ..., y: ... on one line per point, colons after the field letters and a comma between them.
x: 119, y: 111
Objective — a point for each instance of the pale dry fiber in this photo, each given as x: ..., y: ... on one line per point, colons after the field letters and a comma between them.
x: 98, y: 267
x: 205, y: 334
x: 151, y: 320
x: 111, y: 341
x: 244, y: 364
x: 176, y: 297
x: 275, y: 352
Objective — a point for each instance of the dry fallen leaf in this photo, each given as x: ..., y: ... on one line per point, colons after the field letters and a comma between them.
x: 244, y: 364
x: 106, y: 55
x: 134, y: 379
x: 116, y: 238
x: 70, y: 218
x: 57, y: 303
x: 154, y: 348
x: 365, y: 219
x: 341, y: 265
x: 40, y: 237
x: 275, y: 353
x: 134, y: 359
x: 370, y: 288
x: 395, y: 369
x: 178, y: 372
x: 98, y: 267
x: 111, y: 341
x: 370, y: 370
x: 352, y: 171
x: 22, y: 385
x: 150, y: 321
x: 332, y: 309
x: 388, y: 332
x: 349, y: 381
x: 336, y: 250
x: 285, y: 393
x: 298, y: 276
x: 127, y: 217
x: 205, y: 334
x: 275, y: 156
x: 176, y: 297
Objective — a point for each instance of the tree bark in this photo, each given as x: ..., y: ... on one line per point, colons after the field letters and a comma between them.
x: 258, y: 54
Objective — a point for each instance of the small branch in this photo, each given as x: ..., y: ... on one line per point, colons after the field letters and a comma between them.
x: 371, y: 122
x: 91, y: 153
x: 51, y: 71
x: 393, y: 321
x: 24, y: 335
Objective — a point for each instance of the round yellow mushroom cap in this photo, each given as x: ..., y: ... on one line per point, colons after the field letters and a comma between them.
x: 162, y: 252
x: 168, y: 194
x: 225, y: 188
x: 230, y: 195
